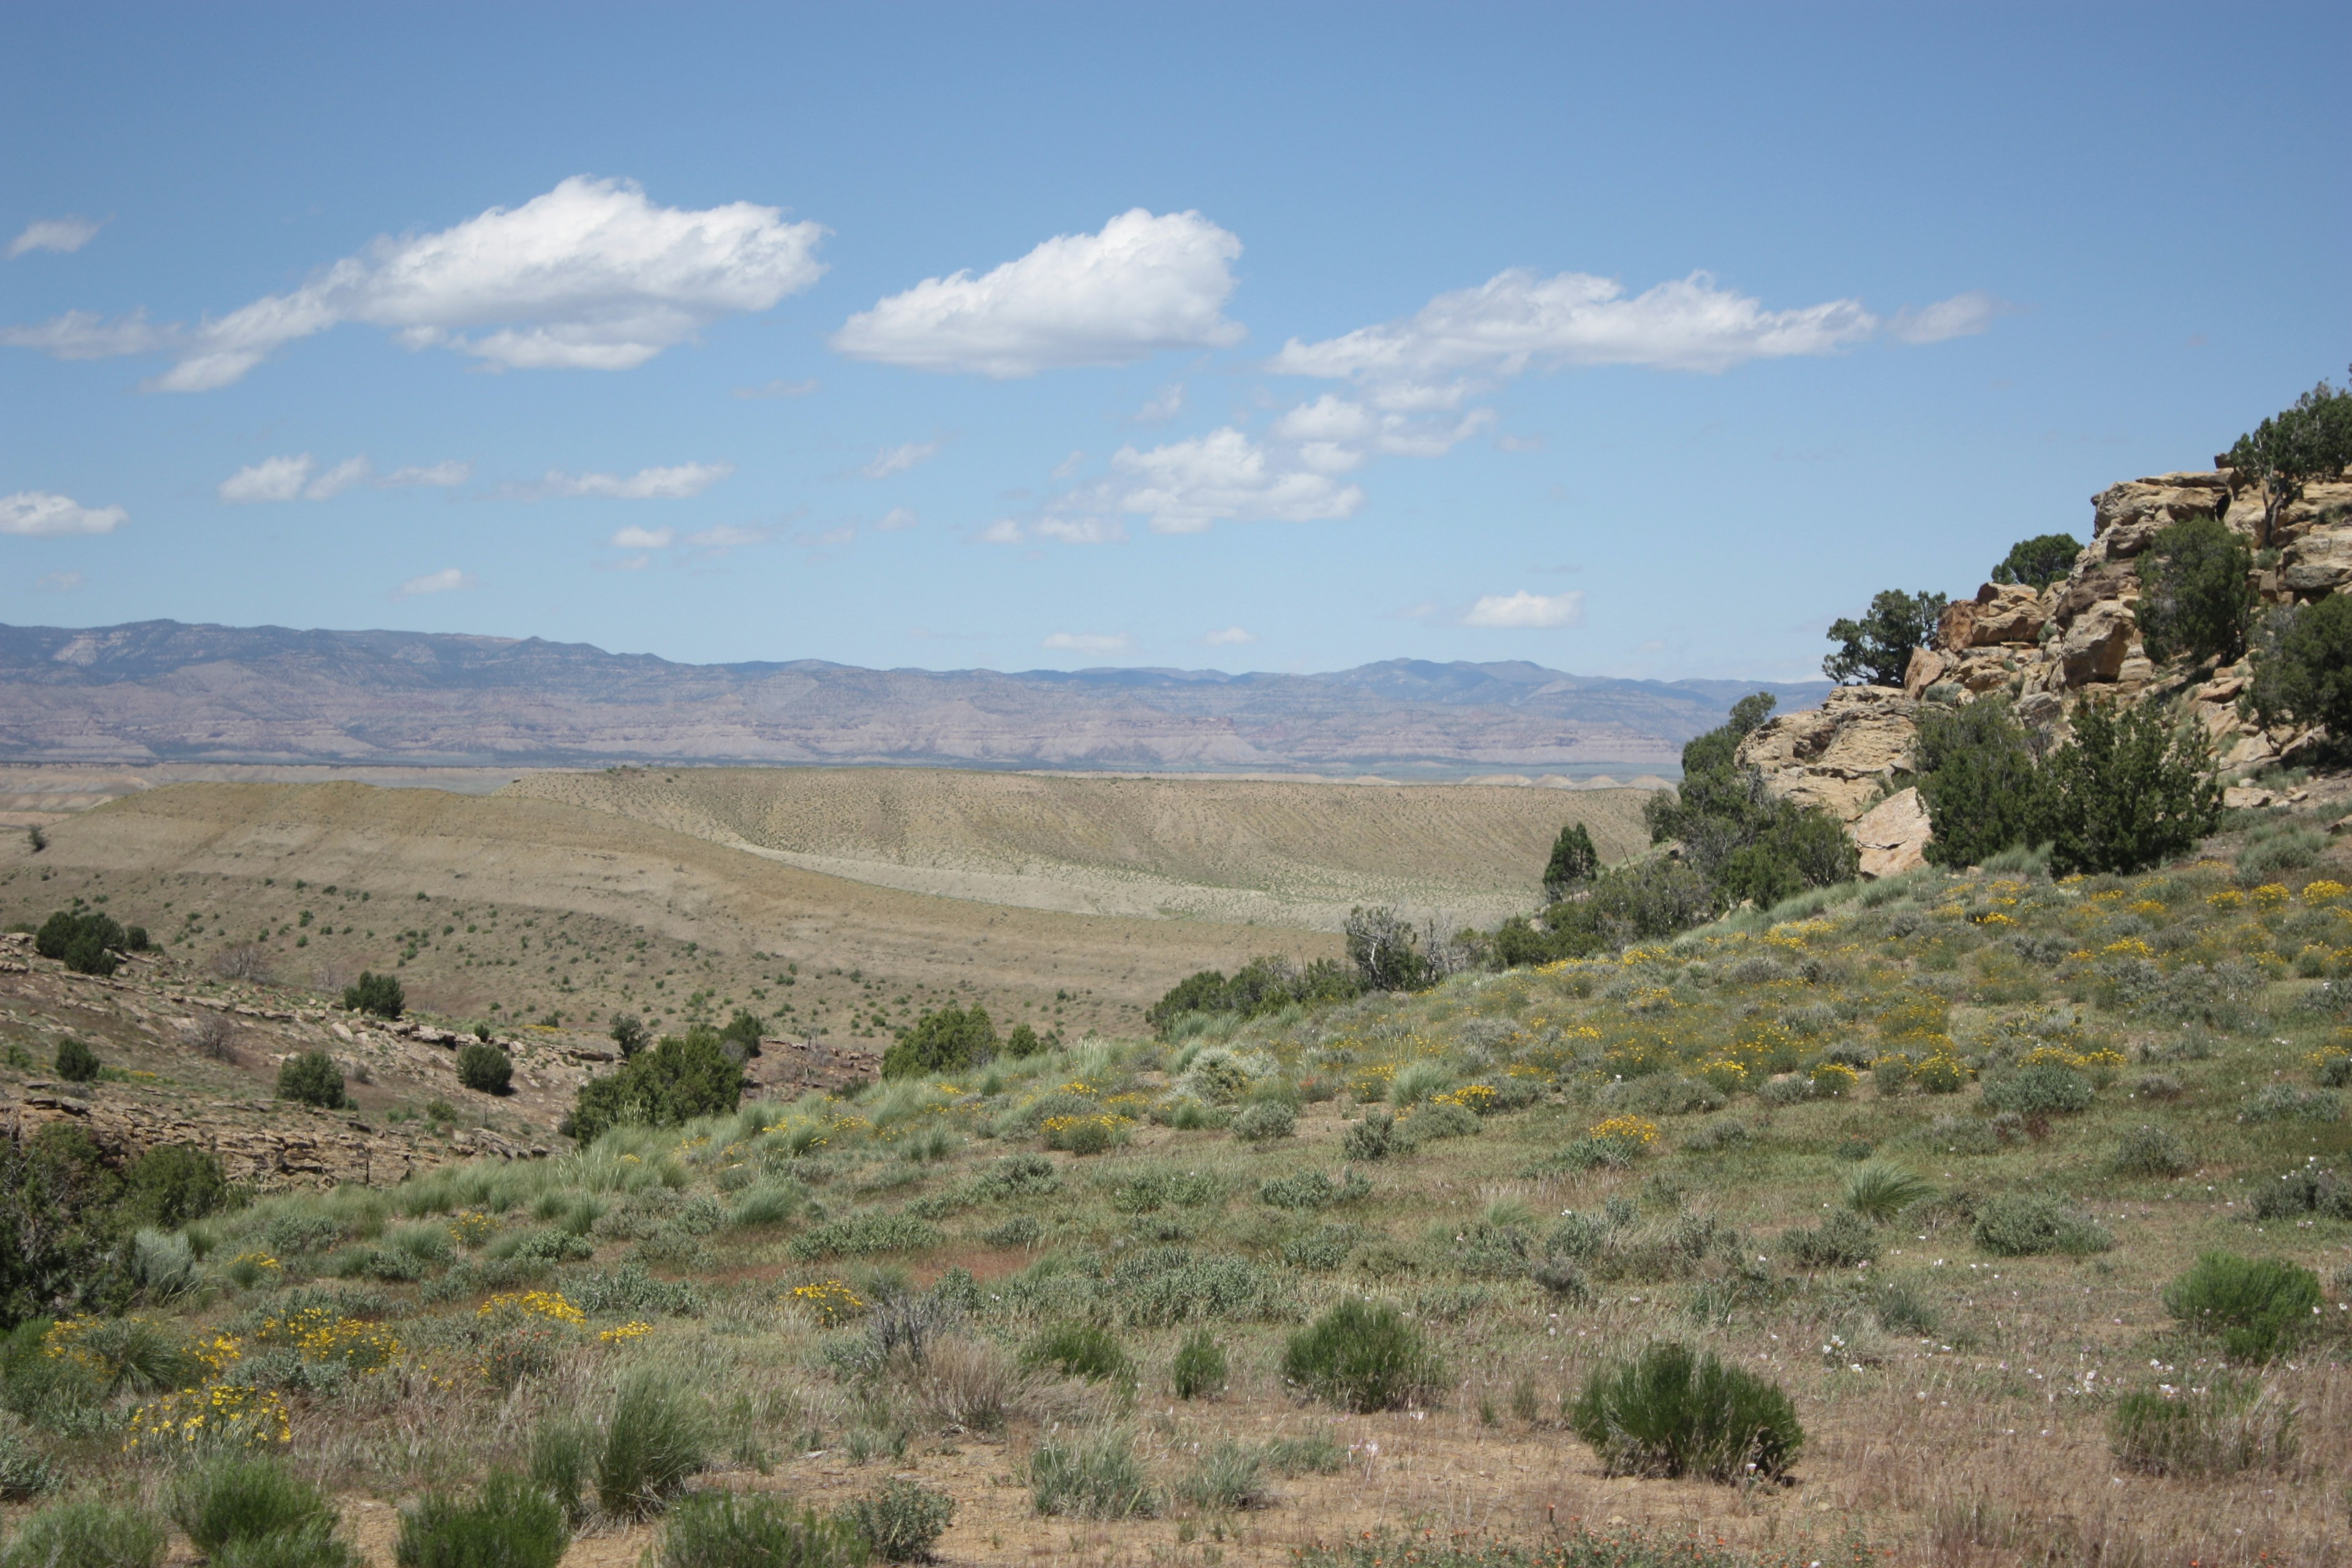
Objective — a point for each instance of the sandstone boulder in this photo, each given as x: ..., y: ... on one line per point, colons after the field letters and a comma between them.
x: 2153, y: 503
x: 2317, y: 564
x: 2096, y: 644
x: 1893, y: 834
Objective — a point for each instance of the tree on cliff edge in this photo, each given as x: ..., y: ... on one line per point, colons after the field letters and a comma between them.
x: 1875, y: 650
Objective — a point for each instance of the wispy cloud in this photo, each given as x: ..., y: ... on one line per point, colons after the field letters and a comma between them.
x: 1087, y: 642
x: 1231, y: 637
x: 1961, y: 316
x: 299, y: 478
x: 84, y: 334
x: 446, y: 581
x: 1526, y: 611
x: 895, y: 520
x: 635, y: 538
x: 43, y: 514
x: 60, y: 583
x: 776, y: 389
x: 898, y: 459
x: 63, y: 234
x: 679, y: 482
x: 1163, y: 406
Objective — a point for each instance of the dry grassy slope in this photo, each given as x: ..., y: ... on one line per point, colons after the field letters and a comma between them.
x: 1275, y: 852
x: 475, y: 855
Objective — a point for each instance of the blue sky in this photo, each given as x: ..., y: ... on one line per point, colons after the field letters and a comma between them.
x: 1630, y: 340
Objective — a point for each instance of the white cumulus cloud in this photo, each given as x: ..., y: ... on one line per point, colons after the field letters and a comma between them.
x: 299, y: 478
x: 1087, y: 642
x: 270, y: 480
x: 1183, y: 487
x: 1961, y: 316
x: 1081, y: 530
x: 446, y: 580
x: 1230, y: 636
x: 1143, y: 284
x: 898, y: 459
x: 43, y: 514
x: 1003, y: 530
x: 339, y: 479
x: 635, y: 538
x: 675, y: 483
x: 896, y: 519
x: 1523, y: 610
x: 63, y: 234
x: 1518, y: 319
x: 445, y: 475
x: 591, y: 276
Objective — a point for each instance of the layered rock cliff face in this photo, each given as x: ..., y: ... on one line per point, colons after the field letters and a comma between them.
x: 2048, y: 650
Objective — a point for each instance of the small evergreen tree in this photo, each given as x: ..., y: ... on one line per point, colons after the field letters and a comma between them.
x: 629, y: 1034
x: 380, y: 994
x: 1573, y: 862
x: 85, y: 943
x: 1380, y: 946
x: 76, y: 1062
x: 312, y: 1078
x: 174, y: 1184
x: 1875, y: 649
x: 1743, y: 841
x: 2310, y: 441
x: 1022, y: 1042
x: 672, y: 1082
x: 2128, y: 791
x: 2303, y: 668
x: 2197, y: 591
x: 2039, y: 562
x: 486, y: 1069
x: 1979, y: 781
x: 741, y: 1035
x: 944, y: 1041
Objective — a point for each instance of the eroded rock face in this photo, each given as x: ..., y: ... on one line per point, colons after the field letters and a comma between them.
x: 1836, y: 756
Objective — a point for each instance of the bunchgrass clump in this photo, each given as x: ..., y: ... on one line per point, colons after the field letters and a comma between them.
x: 87, y: 1534
x: 2152, y: 1152
x: 1096, y: 1478
x: 1225, y: 1478
x: 1363, y: 1356
x: 2222, y: 1429
x: 729, y: 1530
x: 1199, y: 1367
x: 1880, y: 1192
x: 24, y: 1473
x: 1667, y: 1412
x: 656, y: 1443
x: 511, y: 1523
x: 238, y: 1497
x: 1082, y: 1350
x: 2257, y: 1307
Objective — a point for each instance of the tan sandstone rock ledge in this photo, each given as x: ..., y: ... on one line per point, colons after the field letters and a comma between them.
x: 2046, y: 651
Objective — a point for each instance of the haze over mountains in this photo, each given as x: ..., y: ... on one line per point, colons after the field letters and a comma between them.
x: 169, y: 691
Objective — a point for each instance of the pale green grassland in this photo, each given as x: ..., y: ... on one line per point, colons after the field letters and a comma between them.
x: 1542, y: 1169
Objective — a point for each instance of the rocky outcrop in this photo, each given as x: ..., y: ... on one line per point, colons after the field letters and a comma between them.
x: 2048, y: 650
x: 1839, y: 757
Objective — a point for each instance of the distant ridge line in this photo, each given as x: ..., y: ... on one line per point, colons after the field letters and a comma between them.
x: 169, y: 691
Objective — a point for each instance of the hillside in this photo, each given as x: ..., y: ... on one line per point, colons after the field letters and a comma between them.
x: 1263, y: 851
x: 161, y: 690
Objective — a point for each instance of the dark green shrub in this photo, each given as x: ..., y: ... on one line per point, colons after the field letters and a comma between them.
x: 1385, y: 951
x: 1876, y: 649
x: 2127, y: 792
x: 509, y: 1523
x: 1362, y: 1357
x: 728, y: 1530
x: 1738, y: 841
x: 238, y: 1498
x: 1262, y: 986
x: 2196, y: 592
x: 379, y: 995
x: 1199, y: 1367
x: 87, y: 1535
x: 1573, y: 862
x: 2257, y: 1307
x: 2308, y: 1190
x: 2223, y: 1429
x: 1023, y: 1043
x: 629, y: 1036
x: 76, y: 1062
x: 85, y: 943
x: 2039, y: 562
x: 486, y: 1069
x: 313, y: 1546
x: 2303, y: 667
x: 1082, y: 1350
x: 948, y: 1040
x: 1017, y: 1176
x: 2029, y: 1225
x: 900, y: 1521
x: 58, y: 1221
x: 173, y: 1184
x: 1979, y: 781
x: 676, y: 1081
x: 656, y: 1443
x: 1669, y: 1413
x: 2045, y: 1089
x: 1310, y: 1189
x: 1096, y: 1478
x: 313, y: 1078
x: 740, y: 1035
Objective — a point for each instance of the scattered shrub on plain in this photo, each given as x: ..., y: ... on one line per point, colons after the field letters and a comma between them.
x: 1880, y: 1192
x: 1096, y: 1477
x: 731, y: 1530
x: 1362, y: 1357
x: 511, y: 1523
x: 2257, y: 1307
x: 656, y: 1443
x: 312, y: 1078
x: 1199, y: 1367
x: 1669, y: 1413
x: 2225, y: 1427
x: 902, y: 1520
x: 1082, y: 1350
x: 239, y: 1498
x: 87, y: 1534
x: 2027, y: 1225
x: 486, y: 1069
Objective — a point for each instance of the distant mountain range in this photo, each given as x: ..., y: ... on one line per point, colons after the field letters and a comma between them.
x: 167, y: 691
